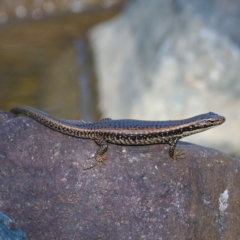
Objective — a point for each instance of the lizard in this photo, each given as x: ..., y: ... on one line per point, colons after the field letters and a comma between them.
x: 126, y: 131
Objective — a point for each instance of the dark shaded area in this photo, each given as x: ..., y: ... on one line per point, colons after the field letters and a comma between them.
x: 141, y: 193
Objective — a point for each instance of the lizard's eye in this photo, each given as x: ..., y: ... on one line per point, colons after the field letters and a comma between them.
x: 211, y: 121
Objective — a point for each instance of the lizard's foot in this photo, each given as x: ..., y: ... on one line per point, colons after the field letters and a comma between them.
x: 99, y: 160
x: 180, y: 154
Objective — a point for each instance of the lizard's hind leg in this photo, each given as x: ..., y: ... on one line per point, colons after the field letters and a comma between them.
x: 100, y: 159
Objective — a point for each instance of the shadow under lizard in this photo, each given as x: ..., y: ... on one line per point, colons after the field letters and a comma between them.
x: 126, y: 131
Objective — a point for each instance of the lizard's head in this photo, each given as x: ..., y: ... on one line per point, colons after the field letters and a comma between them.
x: 202, y: 123
x: 209, y: 120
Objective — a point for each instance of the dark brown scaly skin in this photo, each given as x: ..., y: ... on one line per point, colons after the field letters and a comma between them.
x: 126, y: 131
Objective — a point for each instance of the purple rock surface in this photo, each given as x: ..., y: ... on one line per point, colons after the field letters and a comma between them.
x: 141, y: 193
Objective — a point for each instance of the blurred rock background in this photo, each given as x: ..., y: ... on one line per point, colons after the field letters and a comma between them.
x: 45, y: 57
x: 12, y: 10
x: 154, y: 60
x: 172, y: 60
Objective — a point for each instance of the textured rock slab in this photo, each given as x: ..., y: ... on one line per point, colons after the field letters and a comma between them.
x: 141, y: 193
x: 8, y: 229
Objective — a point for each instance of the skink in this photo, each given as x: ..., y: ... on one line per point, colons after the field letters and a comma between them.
x: 126, y: 131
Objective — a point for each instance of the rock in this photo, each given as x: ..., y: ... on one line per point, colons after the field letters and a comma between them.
x: 179, y: 59
x: 141, y: 193
x: 27, y: 10
x: 9, y: 230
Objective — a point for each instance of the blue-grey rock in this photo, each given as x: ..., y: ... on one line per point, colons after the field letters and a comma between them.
x: 9, y: 230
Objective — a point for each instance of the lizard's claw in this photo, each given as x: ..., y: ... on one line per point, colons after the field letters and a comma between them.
x: 99, y: 160
x: 180, y: 154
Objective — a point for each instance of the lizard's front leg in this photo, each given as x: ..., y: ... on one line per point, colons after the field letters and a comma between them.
x: 103, y: 146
